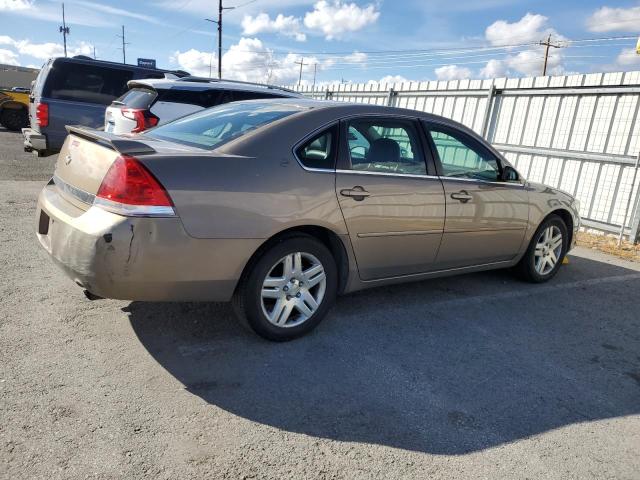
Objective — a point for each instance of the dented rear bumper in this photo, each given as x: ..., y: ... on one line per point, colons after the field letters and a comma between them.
x: 133, y: 258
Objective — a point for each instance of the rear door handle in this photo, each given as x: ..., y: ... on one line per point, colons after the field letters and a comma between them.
x: 357, y: 193
x: 463, y: 196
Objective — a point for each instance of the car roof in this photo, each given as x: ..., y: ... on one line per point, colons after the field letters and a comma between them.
x: 200, y: 84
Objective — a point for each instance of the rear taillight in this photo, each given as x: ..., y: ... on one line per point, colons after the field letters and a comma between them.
x: 129, y: 188
x: 42, y: 114
x: 144, y: 118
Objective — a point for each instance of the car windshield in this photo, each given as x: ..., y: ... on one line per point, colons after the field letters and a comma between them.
x: 210, y: 128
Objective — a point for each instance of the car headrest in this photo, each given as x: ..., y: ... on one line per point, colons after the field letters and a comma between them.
x: 383, y: 150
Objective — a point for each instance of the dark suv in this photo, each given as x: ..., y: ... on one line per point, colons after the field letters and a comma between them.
x: 75, y: 91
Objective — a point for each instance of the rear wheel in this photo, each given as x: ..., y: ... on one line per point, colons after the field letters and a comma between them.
x: 289, y: 290
x: 546, y: 251
x: 14, y: 119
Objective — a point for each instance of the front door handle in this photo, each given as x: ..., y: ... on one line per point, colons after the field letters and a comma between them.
x: 463, y: 196
x: 357, y: 193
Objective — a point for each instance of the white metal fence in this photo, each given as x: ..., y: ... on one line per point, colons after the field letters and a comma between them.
x: 580, y: 133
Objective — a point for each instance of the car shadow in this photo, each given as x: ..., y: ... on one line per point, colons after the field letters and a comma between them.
x: 446, y: 366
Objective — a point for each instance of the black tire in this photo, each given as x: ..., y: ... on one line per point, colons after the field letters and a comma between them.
x: 14, y: 119
x: 526, y: 268
x: 247, y: 300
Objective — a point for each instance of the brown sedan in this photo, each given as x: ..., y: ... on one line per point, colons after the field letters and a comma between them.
x: 280, y: 205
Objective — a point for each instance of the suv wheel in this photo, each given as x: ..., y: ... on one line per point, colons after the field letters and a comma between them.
x: 289, y: 290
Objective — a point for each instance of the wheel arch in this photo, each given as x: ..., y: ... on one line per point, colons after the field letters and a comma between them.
x: 566, y: 217
x: 325, y: 235
x: 13, y: 105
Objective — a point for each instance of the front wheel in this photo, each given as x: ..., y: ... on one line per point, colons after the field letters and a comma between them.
x: 545, y: 254
x: 289, y: 289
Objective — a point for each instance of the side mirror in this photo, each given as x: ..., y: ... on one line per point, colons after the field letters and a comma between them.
x: 509, y: 174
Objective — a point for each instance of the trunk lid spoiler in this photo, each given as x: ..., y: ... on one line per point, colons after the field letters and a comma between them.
x: 118, y: 143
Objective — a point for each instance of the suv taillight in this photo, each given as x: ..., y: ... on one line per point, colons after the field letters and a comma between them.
x: 144, y: 118
x: 129, y: 188
x: 42, y: 114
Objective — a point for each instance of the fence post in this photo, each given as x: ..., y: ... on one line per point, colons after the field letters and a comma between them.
x: 391, y: 97
x: 486, y: 122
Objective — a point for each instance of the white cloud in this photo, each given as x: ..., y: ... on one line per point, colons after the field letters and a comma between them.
x: 288, y: 26
x: 530, y: 28
x: 607, y: 19
x: 334, y: 18
x: 452, y: 72
x: 356, y: 57
x: 14, y: 5
x: 8, y: 57
x: 248, y: 60
x: 494, y: 69
x: 44, y: 51
x: 195, y: 62
x: 389, y: 79
x: 628, y: 58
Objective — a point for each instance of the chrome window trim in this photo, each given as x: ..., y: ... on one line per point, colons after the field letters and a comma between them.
x: 388, y: 174
x: 77, y: 193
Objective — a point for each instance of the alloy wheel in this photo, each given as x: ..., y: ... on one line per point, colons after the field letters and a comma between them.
x: 548, y: 250
x: 293, y: 289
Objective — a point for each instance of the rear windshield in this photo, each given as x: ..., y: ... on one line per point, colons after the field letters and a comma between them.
x: 137, y: 98
x: 86, y: 83
x: 215, y: 126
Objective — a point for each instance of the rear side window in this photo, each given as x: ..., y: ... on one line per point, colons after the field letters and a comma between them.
x: 86, y: 83
x: 211, y: 128
x: 141, y: 98
x: 201, y: 98
x: 239, y: 95
x: 320, y: 151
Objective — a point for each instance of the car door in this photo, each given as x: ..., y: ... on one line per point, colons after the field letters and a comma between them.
x: 486, y: 215
x: 391, y: 200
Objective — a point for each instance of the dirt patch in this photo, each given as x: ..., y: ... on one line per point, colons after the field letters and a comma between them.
x: 609, y: 244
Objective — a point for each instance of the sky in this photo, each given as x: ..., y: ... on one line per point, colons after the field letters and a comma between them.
x: 337, y: 40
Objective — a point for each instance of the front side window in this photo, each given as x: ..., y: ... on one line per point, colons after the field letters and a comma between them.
x: 461, y: 157
x: 319, y: 151
x: 386, y: 146
x: 211, y: 128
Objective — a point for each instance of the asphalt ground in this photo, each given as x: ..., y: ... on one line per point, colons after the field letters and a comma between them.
x: 476, y: 376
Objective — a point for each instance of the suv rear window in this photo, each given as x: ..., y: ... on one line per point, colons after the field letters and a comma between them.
x: 86, y: 83
x: 211, y: 128
x: 141, y: 98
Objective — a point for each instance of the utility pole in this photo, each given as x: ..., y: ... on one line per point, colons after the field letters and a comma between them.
x: 219, y: 23
x: 124, y: 44
x: 301, y: 63
x: 547, y: 45
x: 64, y: 30
x: 94, y: 52
x: 315, y: 72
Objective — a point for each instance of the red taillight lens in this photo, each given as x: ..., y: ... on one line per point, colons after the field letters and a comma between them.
x: 144, y: 118
x: 130, y: 183
x: 42, y: 114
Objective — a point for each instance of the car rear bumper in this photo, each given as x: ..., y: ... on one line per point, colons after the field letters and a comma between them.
x: 34, y: 140
x: 133, y: 258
